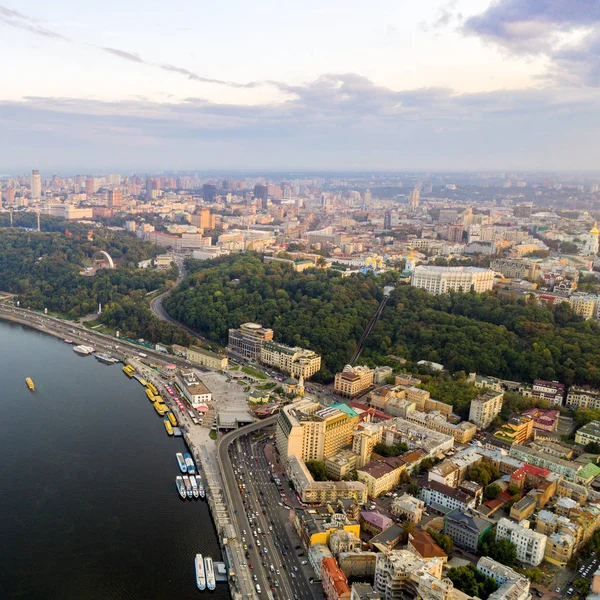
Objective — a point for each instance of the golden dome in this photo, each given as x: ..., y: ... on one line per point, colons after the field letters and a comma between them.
x: 595, y: 230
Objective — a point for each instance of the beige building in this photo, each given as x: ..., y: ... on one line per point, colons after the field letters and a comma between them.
x: 461, y: 432
x: 296, y: 361
x: 311, y: 491
x: 580, y: 397
x: 439, y: 280
x: 381, y: 475
x: 248, y: 339
x: 408, y: 506
x: 341, y: 465
x: 310, y: 431
x: 193, y: 389
x: 485, y: 408
x: 353, y: 381
x: 209, y: 359
x: 364, y: 439
x: 584, y: 306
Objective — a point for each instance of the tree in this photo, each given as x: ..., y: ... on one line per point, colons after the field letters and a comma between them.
x: 483, y: 473
x: 504, y: 551
x: 472, y: 582
x: 317, y: 470
x: 385, y: 450
x: 413, y: 489
x: 492, y: 491
x: 592, y: 447
x: 445, y: 542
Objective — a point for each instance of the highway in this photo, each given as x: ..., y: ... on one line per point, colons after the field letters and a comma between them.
x: 259, y: 506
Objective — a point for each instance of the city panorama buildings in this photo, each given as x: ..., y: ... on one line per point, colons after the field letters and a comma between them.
x: 439, y: 280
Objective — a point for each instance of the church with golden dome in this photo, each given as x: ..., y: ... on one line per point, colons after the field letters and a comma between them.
x: 590, y: 248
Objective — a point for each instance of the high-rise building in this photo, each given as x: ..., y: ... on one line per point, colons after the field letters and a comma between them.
x: 387, y: 220
x: 89, y: 186
x: 311, y: 431
x: 209, y: 193
x: 367, y: 198
x: 115, y: 198
x: 485, y: 408
x: 414, y: 198
x: 261, y: 193
x: 10, y: 195
x: 36, y: 185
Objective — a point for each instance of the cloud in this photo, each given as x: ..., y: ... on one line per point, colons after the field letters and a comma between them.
x: 18, y: 20
x: 130, y: 56
x: 543, y: 27
x: 335, y: 121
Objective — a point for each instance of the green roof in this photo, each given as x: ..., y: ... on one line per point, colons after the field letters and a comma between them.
x: 590, y: 470
x: 345, y: 409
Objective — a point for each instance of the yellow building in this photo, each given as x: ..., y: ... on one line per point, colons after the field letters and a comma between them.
x: 341, y: 464
x: 559, y: 548
x: 299, y: 362
x: 353, y: 381
x: 364, y: 439
x: 310, y: 431
x: 209, y: 359
x: 517, y: 431
x: 381, y: 475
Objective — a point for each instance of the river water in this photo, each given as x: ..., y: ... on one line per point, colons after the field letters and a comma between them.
x: 88, y: 504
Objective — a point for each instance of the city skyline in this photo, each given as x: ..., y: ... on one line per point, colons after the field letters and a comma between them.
x: 442, y: 85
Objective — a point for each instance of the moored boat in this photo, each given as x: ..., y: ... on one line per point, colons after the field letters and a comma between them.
x: 151, y: 396
x: 83, y: 350
x: 30, y: 383
x: 68, y: 341
x: 129, y: 370
x: 160, y: 408
x: 181, y: 462
x: 210, y: 573
x: 201, y: 491
x: 105, y: 358
x: 181, y: 486
x: 191, y: 467
x: 194, y: 486
x: 168, y: 426
x: 200, y: 576
x: 172, y: 418
x: 188, y: 486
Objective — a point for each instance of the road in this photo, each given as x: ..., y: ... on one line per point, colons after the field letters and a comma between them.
x: 259, y: 506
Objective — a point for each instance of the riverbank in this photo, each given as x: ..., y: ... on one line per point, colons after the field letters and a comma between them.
x: 88, y: 479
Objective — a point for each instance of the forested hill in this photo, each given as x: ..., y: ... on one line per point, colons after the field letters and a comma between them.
x: 326, y: 312
x: 43, y: 269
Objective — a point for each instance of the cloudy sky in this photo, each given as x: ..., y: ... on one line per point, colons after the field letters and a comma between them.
x: 293, y: 84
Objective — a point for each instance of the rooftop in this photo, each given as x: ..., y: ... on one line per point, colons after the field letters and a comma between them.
x: 425, y: 545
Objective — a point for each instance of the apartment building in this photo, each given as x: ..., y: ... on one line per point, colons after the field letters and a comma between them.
x: 341, y: 464
x: 409, y: 507
x: 313, y: 432
x: 444, y: 498
x: 334, y: 582
x: 485, y: 408
x: 416, y: 436
x: 401, y: 575
x: 567, y: 469
x: 248, y: 339
x: 440, y: 280
x: 583, y: 397
x: 530, y: 544
x: 461, y: 432
x: 514, y: 268
x: 364, y: 439
x: 552, y: 391
x: 513, y: 586
x: 381, y: 475
x: 588, y: 433
x: 319, y: 492
x: 204, y: 357
x: 353, y: 381
x: 517, y: 431
x: 467, y: 528
x: 299, y: 362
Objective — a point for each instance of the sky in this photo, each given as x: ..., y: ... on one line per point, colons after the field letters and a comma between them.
x: 299, y: 84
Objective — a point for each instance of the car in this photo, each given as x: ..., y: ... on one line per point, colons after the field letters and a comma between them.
x: 271, y: 586
x: 296, y: 569
x: 255, y: 577
x: 293, y: 575
x: 265, y: 549
x: 245, y: 546
x: 304, y: 562
x: 277, y: 571
x: 251, y: 565
x: 258, y: 542
x: 244, y: 540
x: 243, y: 532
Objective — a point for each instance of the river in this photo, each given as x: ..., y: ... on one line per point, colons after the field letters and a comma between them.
x: 87, y: 483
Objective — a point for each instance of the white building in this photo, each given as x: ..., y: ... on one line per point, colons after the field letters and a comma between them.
x: 439, y: 280
x: 485, y: 408
x: 530, y: 544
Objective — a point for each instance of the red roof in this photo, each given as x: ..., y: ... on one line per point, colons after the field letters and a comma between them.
x: 336, y: 575
x: 532, y: 470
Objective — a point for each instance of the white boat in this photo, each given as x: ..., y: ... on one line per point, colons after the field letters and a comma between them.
x: 188, y: 486
x: 189, y: 462
x: 194, y: 486
x: 210, y: 573
x: 181, y: 462
x: 201, y: 491
x: 200, y: 576
x: 181, y: 486
x: 83, y: 350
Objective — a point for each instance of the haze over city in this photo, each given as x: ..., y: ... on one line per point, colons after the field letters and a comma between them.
x: 463, y: 84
